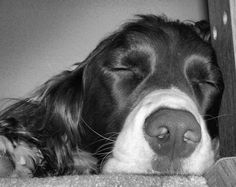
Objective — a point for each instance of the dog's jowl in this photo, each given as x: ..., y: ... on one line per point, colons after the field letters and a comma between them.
x: 145, y: 100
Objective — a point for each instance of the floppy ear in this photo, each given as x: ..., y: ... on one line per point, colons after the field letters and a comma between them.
x: 49, y: 119
x: 62, y: 98
x: 57, y: 103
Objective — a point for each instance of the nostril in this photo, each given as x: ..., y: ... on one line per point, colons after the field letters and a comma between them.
x: 163, y: 133
x: 191, y: 137
x: 158, y: 132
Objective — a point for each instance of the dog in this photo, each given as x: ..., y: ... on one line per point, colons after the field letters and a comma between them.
x: 144, y: 101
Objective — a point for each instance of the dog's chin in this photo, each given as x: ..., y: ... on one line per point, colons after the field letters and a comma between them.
x: 158, y: 165
x: 166, y: 166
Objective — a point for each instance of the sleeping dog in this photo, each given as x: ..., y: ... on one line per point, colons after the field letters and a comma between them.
x: 145, y: 100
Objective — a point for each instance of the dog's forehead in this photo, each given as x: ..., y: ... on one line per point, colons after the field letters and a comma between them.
x: 156, y: 48
x: 164, y: 42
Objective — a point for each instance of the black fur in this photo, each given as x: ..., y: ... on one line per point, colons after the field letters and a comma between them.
x: 82, y: 110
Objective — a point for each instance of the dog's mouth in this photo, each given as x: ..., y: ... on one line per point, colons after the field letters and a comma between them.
x: 163, y: 165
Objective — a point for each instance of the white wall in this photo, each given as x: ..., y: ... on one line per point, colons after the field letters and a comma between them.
x: 39, y: 38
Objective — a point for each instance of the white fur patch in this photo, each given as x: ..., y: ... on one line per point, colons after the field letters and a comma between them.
x: 132, y: 153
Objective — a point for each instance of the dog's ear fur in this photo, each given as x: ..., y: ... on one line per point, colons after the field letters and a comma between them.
x: 62, y: 97
x: 49, y: 119
x: 202, y: 28
x: 58, y: 101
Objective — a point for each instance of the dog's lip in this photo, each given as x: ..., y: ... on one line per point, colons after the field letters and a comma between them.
x: 163, y: 165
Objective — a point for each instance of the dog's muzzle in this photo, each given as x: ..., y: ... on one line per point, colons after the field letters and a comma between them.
x: 171, y: 133
x: 164, y: 133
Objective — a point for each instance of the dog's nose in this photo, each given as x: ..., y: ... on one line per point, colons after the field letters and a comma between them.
x: 172, y: 133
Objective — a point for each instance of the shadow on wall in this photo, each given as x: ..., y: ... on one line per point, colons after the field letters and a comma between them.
x: 40, y: 38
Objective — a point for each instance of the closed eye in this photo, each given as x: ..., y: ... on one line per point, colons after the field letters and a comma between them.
x: 204, y: 85
x: 210, y: 83
x: 129, y: 71
x: 204, y: 82
x: 121, y: 69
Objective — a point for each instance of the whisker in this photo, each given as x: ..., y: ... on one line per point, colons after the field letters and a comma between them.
x: 104, y: 159
x: 104, y: 147
x: 102, y: 150
x: 215, y: 117
x: 97, y: 141
x: 102, y: 139
x: 104, y: 153
x: 112, y: 133
x: 95, y: 131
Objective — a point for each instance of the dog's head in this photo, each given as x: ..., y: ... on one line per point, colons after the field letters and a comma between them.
x: 156, y: 85
x: 149, y: 95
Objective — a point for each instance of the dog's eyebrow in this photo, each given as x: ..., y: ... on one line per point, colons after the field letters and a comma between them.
x: 193, y: 59
x: 196, y: 57
x: 136, y: 55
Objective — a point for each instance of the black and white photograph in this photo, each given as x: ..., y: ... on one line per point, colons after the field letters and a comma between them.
x: 118, y: 93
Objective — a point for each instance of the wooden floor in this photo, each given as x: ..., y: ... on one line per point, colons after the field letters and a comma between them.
x: 223, y: 173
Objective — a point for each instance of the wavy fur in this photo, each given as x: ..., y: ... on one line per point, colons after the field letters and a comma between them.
x: 49, y: 122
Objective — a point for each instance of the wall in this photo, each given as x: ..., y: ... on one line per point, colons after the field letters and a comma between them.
x: 39, y: 38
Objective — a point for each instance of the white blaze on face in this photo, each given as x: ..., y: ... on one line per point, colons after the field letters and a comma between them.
x: 132, y: 153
